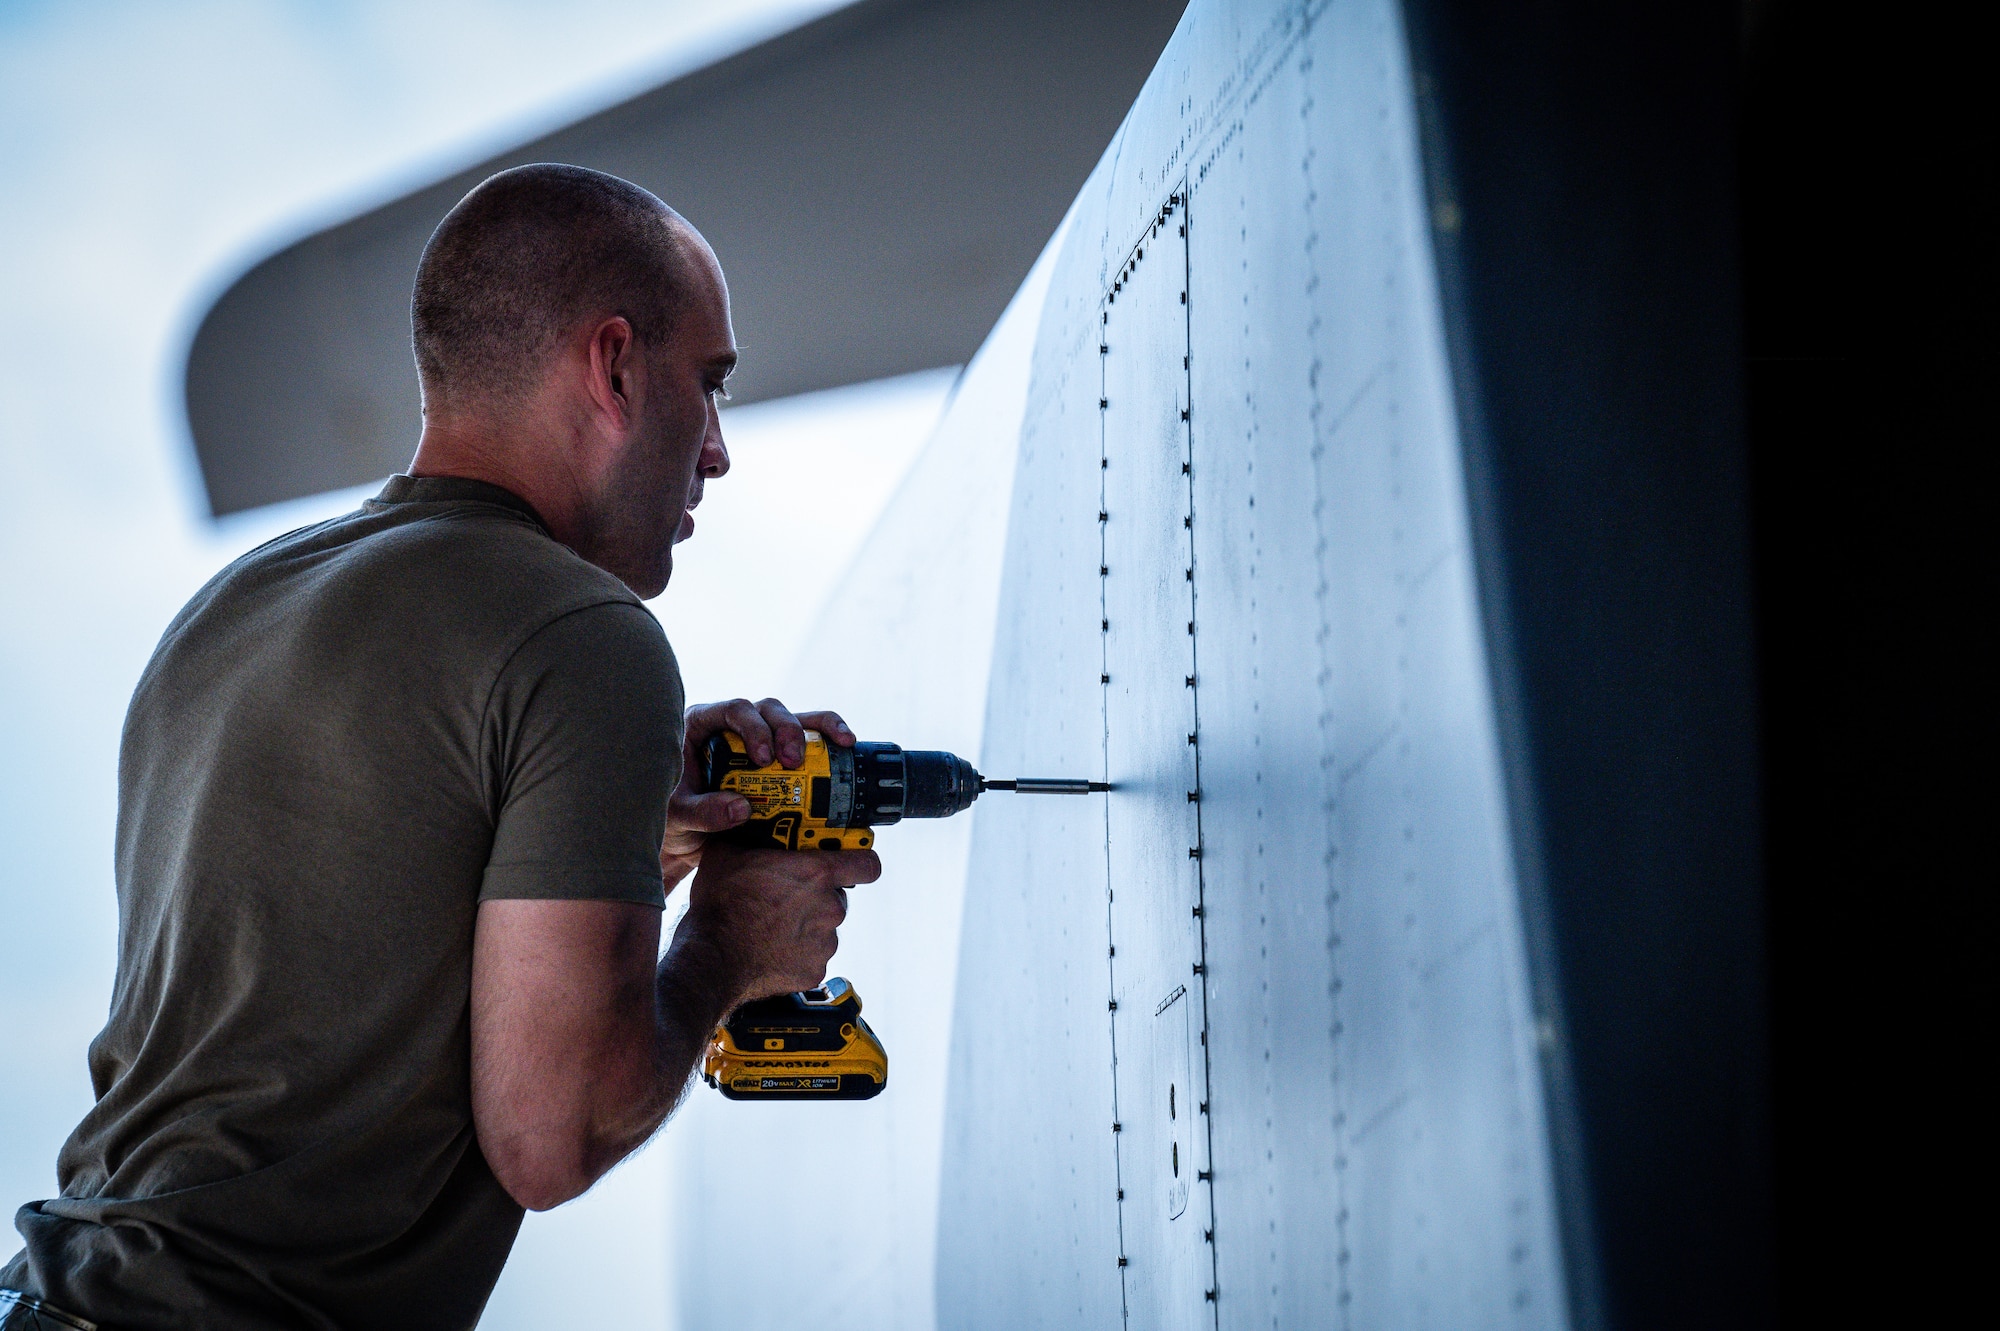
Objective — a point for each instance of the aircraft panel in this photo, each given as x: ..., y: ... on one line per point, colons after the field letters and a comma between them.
x: 1327, y: 791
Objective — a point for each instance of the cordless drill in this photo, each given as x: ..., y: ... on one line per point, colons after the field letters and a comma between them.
x: 814, y: 1045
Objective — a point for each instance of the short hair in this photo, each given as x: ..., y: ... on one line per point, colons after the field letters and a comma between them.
x: 523, y: 259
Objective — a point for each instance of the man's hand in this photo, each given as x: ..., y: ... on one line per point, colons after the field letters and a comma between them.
x: 765, y: 921
x: 770, y: 730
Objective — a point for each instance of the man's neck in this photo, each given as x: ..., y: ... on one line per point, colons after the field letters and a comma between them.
x: 475, y: 451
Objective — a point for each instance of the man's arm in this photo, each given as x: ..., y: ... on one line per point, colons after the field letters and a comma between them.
x: 582, y: 1042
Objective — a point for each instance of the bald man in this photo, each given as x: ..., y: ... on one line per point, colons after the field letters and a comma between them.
x: 400, y: 799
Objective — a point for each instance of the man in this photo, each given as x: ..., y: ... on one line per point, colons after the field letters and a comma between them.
x: 400, y: 798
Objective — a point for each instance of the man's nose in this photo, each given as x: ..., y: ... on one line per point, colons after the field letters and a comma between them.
x: 714, y: 454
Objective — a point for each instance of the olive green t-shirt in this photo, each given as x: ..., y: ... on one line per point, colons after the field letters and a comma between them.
x: 348, y: 740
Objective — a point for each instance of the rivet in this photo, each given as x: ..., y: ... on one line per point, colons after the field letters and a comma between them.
x: 1104, y: 679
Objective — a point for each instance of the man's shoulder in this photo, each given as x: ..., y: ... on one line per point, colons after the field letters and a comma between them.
x: 463, y: 555
x: 436, y: 578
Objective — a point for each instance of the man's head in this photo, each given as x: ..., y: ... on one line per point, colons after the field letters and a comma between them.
x: 572, y: 334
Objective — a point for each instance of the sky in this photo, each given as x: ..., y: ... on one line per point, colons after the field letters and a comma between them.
x: 148, y: 154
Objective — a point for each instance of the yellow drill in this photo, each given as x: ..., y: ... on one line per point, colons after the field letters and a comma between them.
x: 814, y: 1045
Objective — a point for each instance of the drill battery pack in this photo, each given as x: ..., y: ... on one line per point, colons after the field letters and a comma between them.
x: 806, y: 1046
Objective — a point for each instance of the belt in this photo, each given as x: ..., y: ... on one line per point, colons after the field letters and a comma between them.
x: 25, y: 1312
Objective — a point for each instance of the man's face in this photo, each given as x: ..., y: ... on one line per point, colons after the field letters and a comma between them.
x: 679, y: 444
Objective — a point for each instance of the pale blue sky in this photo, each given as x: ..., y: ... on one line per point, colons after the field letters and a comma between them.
x: 147, y: 153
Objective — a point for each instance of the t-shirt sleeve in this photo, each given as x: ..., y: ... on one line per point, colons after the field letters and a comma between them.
x: 583, y: 739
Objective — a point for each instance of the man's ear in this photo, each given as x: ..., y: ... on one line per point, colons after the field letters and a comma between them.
x: 614, y: 370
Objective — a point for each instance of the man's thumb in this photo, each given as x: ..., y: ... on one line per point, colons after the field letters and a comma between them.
x: 717, y: 811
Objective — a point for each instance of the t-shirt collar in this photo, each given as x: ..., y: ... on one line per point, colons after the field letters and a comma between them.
x: 455, y: 490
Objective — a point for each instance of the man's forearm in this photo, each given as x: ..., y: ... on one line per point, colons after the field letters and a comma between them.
x: 695, y: 990
x: 692, y: 993
x: 690, y: 996
x: 584, y: 1038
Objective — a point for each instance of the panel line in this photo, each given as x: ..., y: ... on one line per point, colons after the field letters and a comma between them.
x: 1194, y: 673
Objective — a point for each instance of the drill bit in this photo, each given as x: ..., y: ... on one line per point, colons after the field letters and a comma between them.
x: 1038, y: 785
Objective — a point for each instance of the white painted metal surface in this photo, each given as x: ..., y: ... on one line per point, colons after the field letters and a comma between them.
x: 1238, y: 581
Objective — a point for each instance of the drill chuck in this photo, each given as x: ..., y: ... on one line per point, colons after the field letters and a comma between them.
x: 891, y: 783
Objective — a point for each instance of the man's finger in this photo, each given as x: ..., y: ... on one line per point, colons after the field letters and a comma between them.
x: 788, y: 737
x: 836, y: 905
x: 846, y: 868
x: 741, y: 715
x: 830, y: 725
x: 716, y: 812
x: 701, y: 723
x: 704, y: 721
